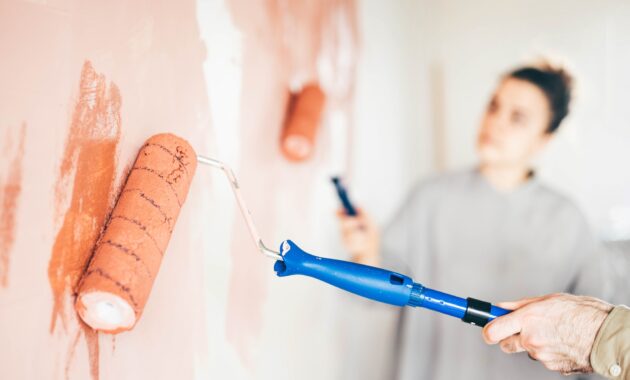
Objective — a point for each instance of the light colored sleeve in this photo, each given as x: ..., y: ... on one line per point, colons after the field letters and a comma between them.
x: 610, y: 356
x: 614, y: 272
x: 403, y: 241
x: 395, y: 241
x: 588, y: 260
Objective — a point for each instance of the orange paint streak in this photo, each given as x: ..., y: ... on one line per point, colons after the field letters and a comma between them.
x: 89, y: 162
x: 9, y: 195
x: 71, y: 351
x: 91, y: 338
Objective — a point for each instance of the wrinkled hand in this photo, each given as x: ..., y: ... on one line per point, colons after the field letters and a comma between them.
x: 558, y: 330
x: 361, y: 237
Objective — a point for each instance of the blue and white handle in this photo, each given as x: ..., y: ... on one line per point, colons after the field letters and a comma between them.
x: 382, y: 285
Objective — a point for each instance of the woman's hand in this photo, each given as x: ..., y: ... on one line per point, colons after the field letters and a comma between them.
x: 361, y: 237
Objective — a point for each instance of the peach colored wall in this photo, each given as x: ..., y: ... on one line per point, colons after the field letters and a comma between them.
x: 83, y: 85
x: 91, y: 82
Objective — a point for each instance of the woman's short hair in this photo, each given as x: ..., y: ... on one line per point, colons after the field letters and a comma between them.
x: 556, y: 83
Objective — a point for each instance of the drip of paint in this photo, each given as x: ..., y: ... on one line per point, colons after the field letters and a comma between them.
x: 90, y: 153
x: 10, y: 190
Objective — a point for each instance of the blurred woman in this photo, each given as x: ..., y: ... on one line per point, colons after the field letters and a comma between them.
x: 494, y: 232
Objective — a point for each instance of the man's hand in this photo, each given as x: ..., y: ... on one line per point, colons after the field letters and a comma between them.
x: 558, y: 330
x: 361, y: 237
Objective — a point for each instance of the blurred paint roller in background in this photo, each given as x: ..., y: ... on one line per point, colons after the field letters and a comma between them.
x: 116, y: 285
x: 302, y: 123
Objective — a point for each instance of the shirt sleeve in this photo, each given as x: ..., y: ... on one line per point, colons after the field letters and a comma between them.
x: 394, y: 243
x: 402, y: 240
x: 610, y: 356
x: 587, y: 258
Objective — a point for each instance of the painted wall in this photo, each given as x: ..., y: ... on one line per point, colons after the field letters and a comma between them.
x: 89, y: 83
x: 84, y: 84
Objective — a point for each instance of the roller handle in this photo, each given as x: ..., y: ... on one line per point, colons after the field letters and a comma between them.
x: 381, y: 285
x: 343, y: 197
x: 370, y: 282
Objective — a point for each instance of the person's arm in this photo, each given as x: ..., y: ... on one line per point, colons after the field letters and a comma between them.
x: 610, y: 356
x: 365, y: 243
x: 566, y: 333
x: 361, y: 237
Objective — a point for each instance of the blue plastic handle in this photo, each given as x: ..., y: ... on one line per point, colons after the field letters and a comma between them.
x: 381, y: 285
x: 370, y: 282
x: 343, y: 197
x: 454, y: 306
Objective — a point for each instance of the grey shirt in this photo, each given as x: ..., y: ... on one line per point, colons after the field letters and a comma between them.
x: 457, y: 234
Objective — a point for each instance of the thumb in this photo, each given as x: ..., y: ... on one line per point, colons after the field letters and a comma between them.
x: 502, y: 328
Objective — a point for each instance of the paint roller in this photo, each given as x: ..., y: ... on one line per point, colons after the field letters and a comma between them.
x: 116, y: 284
x: 305, y: 109
x: 118, y: 279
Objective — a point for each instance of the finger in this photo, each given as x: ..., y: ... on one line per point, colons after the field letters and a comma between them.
x: 513, y: 305
x: 353, y: 233
x: 363, y: 216
x: 563, y: 366
x: 502, y: 328
x: 512, y: 344
x: 341, y: 215
x: 350, y: 224
x: 343, y: 212
x: 360, y: 221
x: 365, y: 260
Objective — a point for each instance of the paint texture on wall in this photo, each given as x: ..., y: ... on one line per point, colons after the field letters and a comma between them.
x: 237, y: 323
x: 89, y: 166
x: 10, y: 188
x: 68, y: 70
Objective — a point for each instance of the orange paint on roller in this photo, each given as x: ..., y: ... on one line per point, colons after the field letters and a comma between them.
x: 118, y: 280
x: 302, y: 124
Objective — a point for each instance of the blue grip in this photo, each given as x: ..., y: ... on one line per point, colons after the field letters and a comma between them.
x: 454, y: 306
x: 343, y: 197
x: 382, y: 285
x: 374, y: 283
x: 441, y: 302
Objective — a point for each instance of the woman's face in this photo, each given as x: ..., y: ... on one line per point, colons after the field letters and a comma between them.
x: 513, y: 128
